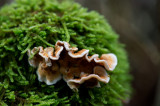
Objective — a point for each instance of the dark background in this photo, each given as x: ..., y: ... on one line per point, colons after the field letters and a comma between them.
x: 138, y: 24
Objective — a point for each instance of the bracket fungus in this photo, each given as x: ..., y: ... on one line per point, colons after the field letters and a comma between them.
x: 75, y: 67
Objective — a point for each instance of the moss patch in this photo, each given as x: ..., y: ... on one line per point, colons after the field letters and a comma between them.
x: 28, y: 23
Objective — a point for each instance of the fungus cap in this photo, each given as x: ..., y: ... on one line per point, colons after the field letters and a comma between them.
x: 76, y: 67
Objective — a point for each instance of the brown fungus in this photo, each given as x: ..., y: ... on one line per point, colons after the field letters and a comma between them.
x: 76, y: 68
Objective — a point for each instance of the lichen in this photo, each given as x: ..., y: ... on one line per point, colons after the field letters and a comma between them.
x: 25, y: 24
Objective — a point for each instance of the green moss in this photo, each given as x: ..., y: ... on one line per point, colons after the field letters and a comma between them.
x: 25, y: 24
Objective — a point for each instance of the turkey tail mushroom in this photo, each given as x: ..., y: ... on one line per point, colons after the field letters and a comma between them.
x: 76, y: 67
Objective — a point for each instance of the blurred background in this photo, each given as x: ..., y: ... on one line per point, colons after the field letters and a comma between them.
x: 138, y: 24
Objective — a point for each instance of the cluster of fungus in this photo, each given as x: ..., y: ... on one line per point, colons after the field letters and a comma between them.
x: 75, y: 67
